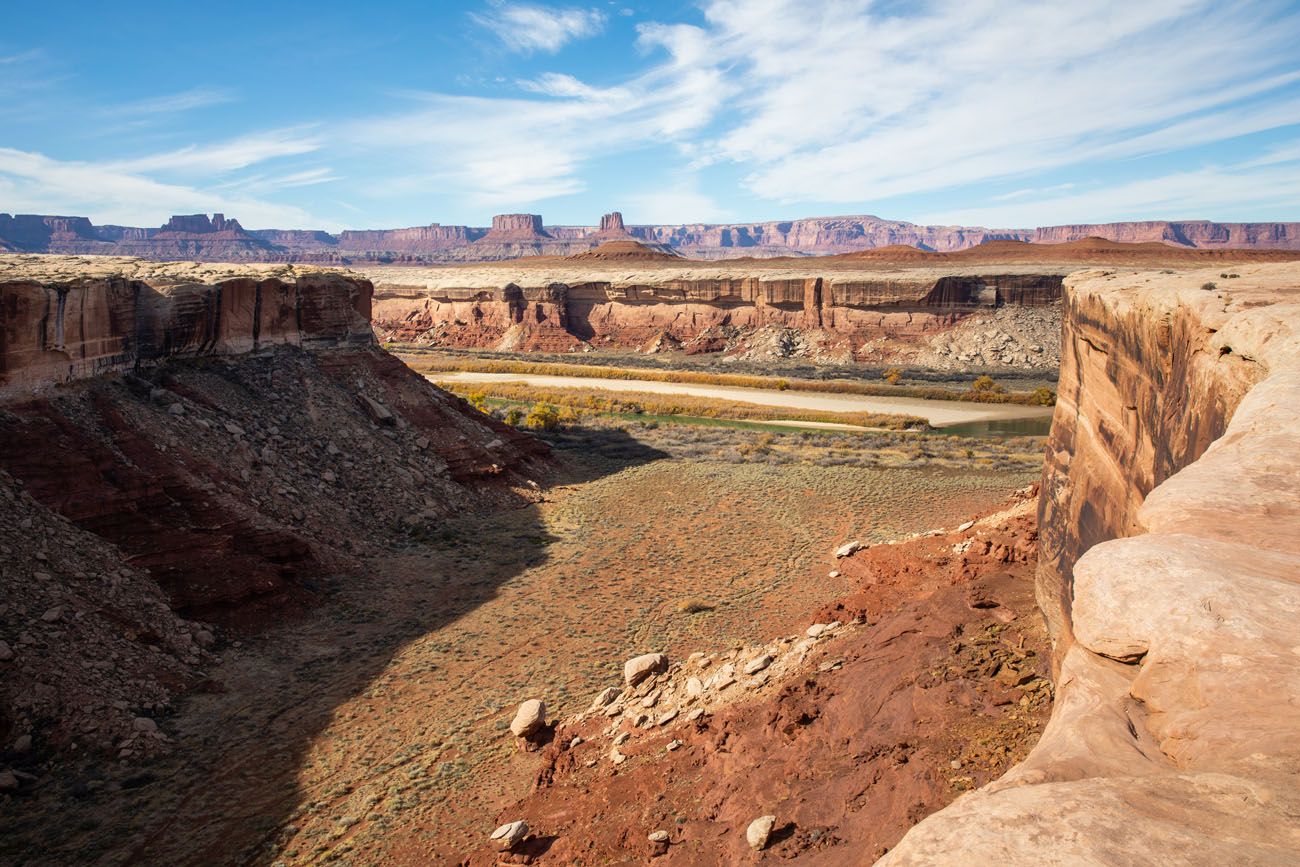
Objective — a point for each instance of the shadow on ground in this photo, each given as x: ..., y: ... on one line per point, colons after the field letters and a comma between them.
x: 234, y: 779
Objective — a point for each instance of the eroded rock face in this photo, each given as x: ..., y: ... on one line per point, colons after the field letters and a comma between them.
x: 1169, y: 573
x: 593, y: 301
x: 63, y: 319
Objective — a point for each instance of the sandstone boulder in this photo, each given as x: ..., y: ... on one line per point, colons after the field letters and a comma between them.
x: 759, y: 831
x: 510, y: 834
x: 530, y: 718
x: 639, y: 668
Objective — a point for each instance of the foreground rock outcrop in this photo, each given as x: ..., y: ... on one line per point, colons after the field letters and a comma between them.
x: 1170, y: 575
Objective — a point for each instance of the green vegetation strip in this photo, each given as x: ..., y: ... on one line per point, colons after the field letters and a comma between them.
x: 982, y: 390
x: 578, y: 400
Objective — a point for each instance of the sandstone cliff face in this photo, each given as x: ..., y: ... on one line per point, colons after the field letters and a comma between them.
x: 1170, y: 574
x: 64, y: 319
x: 561, y: 309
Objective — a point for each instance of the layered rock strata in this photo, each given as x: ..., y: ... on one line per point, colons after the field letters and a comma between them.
x: 64, y: 318
x: 570, y: 306
x: 1170, y: 575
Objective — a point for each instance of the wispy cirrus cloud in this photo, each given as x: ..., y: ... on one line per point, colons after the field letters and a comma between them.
x: 526, y: 27
x: 186, y: 100
x: 131, y: 193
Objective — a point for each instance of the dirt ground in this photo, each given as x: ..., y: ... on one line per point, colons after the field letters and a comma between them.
x: 376, y: 728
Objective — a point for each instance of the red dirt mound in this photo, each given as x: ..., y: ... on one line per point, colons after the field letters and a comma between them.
x: 624, y: 251
x: 939, y: 691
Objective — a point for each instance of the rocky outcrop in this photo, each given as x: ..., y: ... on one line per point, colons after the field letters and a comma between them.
x: 247, y: 447
x: 519, y: 235
x: 67, y: 319
x: 1170, y: 574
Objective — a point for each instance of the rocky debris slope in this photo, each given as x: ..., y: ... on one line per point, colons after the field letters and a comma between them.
x: 1170, y: 574
x: 149, y: 513
x: 1020, y: 337
x: 930, y: 680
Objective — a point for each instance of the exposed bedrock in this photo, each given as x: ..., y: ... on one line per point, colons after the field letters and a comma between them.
x: 561, y: 315
x: 1170, y: 574
x: 65, y: 318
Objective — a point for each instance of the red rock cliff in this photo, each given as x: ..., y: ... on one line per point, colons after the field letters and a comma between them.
x: 1170, y: 574
x: 62, y: 320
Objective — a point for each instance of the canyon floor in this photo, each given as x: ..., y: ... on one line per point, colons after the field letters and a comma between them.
x: 374, y: 729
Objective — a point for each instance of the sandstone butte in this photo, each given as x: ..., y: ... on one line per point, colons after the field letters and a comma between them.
x: 1170, y: 577
x: 1169, y: 566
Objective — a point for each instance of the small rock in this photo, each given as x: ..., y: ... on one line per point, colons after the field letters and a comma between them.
x: 649, y: 700
x: 674, y: 745
x: 695, y: 714
x: 955, y: 764
x: 144, y: 724
x: 530, y: 717
x: 668, y: 717
x: 754, y: 666
x: 234, y: 429
x: 329, y: 476
x: 616, y: 757
x: 176, y: 409
x: 6, y: 652
x: 815, y: 630
x: 52, y: 615
x: 834, y: 573
x: 848, y: 549
x: 962, y: 528
x: 23, y: 744
x: 508, y: 835
x: 204, y: 638
x: 758, y: 832
x: 603, y: 699
x: 622, y: 738
x: 831, y: 665
x: 639, y: 668
x: 658, y: 837
x: 694, y: 687
x: 8, y: 782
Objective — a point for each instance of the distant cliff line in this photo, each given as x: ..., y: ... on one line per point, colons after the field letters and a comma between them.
x: 511, y: 236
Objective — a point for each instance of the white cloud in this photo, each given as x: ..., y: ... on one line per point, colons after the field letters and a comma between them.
x: 1228, y: 193
x: 108, y: 193
x: 526, y: 28
x: 186, y: 100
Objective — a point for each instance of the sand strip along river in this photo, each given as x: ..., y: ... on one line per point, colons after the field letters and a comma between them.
x: 940, y: 413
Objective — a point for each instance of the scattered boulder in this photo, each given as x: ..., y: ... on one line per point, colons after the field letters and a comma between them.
x: 603, y: 698
x: 815, y: 630
x: 8, y: 782
x: 848, y: 549
x: 530, y: 717
x: 509, y: 835
x: 759, y: 831
x: 962, y: 528
x: 639, y: 668
x: 754, y: 666
x: 6, y: 652
x: 144, y: 724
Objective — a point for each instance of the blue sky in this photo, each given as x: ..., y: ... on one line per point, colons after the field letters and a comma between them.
x: 331, y: 115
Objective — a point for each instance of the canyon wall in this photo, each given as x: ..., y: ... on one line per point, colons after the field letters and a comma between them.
x: 62, y: 320
x: 568, y: 308
x: 520, y: 235
x: 1170, y: 576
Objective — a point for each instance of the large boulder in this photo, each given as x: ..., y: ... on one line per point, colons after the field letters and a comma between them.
x: 530, y: 718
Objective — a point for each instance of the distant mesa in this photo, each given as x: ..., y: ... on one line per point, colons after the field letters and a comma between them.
x: 514, y: 228
x: 218, y: 238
